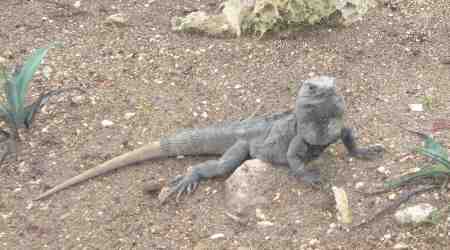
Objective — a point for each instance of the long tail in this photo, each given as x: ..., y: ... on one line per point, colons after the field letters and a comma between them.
x: 151, y: 151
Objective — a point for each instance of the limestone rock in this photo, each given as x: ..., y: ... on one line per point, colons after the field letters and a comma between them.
x: 414, y: 214
x: 344, y: 214
x: 249, y: 185
x: 260, y: 16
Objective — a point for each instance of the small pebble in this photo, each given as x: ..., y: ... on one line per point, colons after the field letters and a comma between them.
x: 259, y: 214
x: 417, y: 107
x: 107, y: 123
x: 77, y: 4
x: 265, y: 223
x: 359, y: 185
x: 400, y: 246
x: 118, y: 18
x: 47, y: 72
x: 314, y: 242
x: 392, y: 196
x: 129, y: 115
x: 387, y: 237
x: 383, y: 170
x: 217, y: 236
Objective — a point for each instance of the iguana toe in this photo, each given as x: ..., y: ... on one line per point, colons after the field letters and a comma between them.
x: 183, y: 184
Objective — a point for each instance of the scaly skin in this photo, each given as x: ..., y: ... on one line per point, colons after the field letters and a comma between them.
x: 290, y: 138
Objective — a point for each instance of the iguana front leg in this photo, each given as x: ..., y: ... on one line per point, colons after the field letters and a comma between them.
x: 226, y: 165
x: 297, y: 157
x: 366, y: 153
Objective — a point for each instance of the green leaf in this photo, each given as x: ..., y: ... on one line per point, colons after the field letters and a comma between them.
x: 435, y: 151
x: 12, y: 96
x: 433, y: 171
x: 436, y: 148
x: 23, y: 78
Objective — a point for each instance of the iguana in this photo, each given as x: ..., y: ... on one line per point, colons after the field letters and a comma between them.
x: 290, y: 138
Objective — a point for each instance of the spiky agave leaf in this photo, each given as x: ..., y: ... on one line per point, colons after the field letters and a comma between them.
x: 21, y: 80
x: 433, y: 171
x: 437, y: 153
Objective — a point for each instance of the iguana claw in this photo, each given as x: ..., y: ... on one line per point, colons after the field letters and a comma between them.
x: 182, y: 184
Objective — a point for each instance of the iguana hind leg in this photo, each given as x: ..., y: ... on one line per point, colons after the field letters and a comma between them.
x: 226, y: 165
x: 371, y: 152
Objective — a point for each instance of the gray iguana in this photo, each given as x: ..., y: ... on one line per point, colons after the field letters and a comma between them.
x: 288, y: 138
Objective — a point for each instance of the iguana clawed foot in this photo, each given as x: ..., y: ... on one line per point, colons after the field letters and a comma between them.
x: 370, y: 153
x: 182, y: 184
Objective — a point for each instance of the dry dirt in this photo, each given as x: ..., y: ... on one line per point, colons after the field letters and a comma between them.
x: 392, y: 58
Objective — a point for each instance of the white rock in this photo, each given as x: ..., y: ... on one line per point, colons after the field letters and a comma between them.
x: 217, y: 236
x: 265, y: 223
x: 2, y: 60
x: 400, y: 246
x: 107, y: 123
x: 387, y: 237
x: 414, y: 214
x: 78, y: 99
x: 359, y: 185
x: 77, y: 4
x: 314, y: 242
x: 416, y: 107
x: 47, y: 71
x: 259, y: 214
x: 118, y: 18
x: 383, y: 170
x: 249, y: 186
x: 392, y: 196
x: 129, y: 115
x: 344, y: 214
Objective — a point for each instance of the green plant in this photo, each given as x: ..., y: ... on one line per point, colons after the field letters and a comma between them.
x: 14, y: 110
x: 441, y: 168
x: 292, y: 87
x: 427, y: 101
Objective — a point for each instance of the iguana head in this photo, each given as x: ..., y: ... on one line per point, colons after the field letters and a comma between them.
x: 317, y: 88
x: 319, y: 111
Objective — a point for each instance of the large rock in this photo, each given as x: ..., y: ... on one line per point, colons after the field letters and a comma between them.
x: 260, y: 16
x: 248, y: 187
x: 414, y: 214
